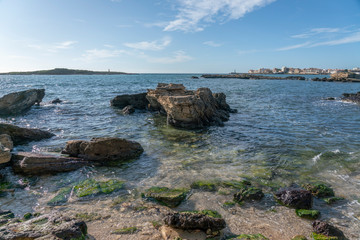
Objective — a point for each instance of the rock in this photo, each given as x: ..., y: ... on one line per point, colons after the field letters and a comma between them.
x: 166, y: 196
x: 299, y: 237
x: 248, y: 193
x: 37, y: 164
x: 128, y: 109
x: 330, y: 99
x: 204, y: 185
x: 5, y: 155
x: 138, y: 101
x: 332, y: 200
x: 103, y: 150
x: 48, y: 226
x: 294, y: 197
x: 173, y: 233
x: 194, y: 77
x: 250, y: 237
x: 309, y: 214
x: 56, y: 101
x: 326, y: 229
x: 23, y: 135
x: 20, y: 102
x: 189, y: 109
x: 319, y: 190
x: 6, y: 141
x: 351, y: 97
x: 194, y: 221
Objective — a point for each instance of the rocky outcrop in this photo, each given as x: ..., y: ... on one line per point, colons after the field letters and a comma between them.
x: 103, y: 150
x: 189, y: 109
x: 128, y: 110
x: 37, y: 164
x: 328, y: 230
x: 138, y: 101
x: 23, y: 135
x: 351, y: 97
x: 48, y: 226
x: 20, y: 102
x: 194, y: 221
x: 294, y: 197
x: 6, y: 145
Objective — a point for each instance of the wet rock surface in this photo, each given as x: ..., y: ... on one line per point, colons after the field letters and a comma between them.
x: 294, y: 197
x: 351, y: 97
x: 23, y: 135
x: 37, y: 164
x: 20, y: 102
x: 166, y: 196
x: 324, y: 228
x: 138, y: 101
x: 47, y: 226
x: 189, y: 109
x: 103, y: 150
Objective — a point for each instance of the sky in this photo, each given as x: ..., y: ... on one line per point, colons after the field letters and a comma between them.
x: 178, y: 36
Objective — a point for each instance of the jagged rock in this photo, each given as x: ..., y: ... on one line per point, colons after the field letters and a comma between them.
x: 128, y: 109
x: 326, y: 229
x: 5, y: 217
x: 36, y: 164
x: 20, y: 102
x: 194, y: 221
x: 294, y: 197
x: 103, y: 149
x: 351, y: 97
x: 48, y: 226
x: 23, y: 135
x: 189, y: 109
x: 138, y: 101
x: 56, y: 101
x: 5, y: 155
x: 6, y: 141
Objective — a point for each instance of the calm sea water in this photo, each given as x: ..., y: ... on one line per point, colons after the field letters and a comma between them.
x: 284, y: 132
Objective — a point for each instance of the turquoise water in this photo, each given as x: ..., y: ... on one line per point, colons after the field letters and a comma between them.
x: 284, y: 132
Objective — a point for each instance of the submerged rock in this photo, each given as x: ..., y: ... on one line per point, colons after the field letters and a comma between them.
x: 189, y: 109
x: 23, y: 135
x: 5, y: 217
x: 319, y: 190
x: 326, y: 229
x: 351, y: 97
x: 309, y: 214
x: 37, y: 164
x: 166, y: 196
x: 138, y: 101
x: 103, y: 150
x: 128, y: 110
x: 48, y: 226
x: 294, y: 197
x: 56, y: 101
x: 194, y: 221
x: 248, y: 193
x: 20, y: 102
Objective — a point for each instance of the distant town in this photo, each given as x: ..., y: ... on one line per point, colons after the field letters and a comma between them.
x: 288, y: 70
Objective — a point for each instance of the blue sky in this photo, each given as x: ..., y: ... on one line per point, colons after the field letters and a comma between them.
x: 178, y: 36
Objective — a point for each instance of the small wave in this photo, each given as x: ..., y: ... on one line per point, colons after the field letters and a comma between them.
x: 336, y: 151
x: 316, y: 158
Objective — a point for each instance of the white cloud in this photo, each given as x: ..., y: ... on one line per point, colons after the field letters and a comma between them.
x: 194, y: 13
x: 212, y: 44
x: 152, y: 46
x: 178, y: 57
x: 64, y: 45
x: 294, y: 46
x: 353, y: 38
x: 317, y: 31
x: 55, y: 47
x: 94, y: 54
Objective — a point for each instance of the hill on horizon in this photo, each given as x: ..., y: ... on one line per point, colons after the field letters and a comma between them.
x: 64, y: 71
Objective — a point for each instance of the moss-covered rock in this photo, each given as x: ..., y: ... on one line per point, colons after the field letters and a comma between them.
x: 229, y: 204
x: 250, y: 237
x: 332, y: 200
x: 248, y: 193
x: 204, y: 185
x: 319, y: 190
x: 92, y: 187
x: 323, y: 237
x: 61, y: 197
x: 27, y: 216
x: 235, y: 184
x: 299, y: 237
x: 128, y: 230
x: 209, y: 213
x: 88, y: 216
x: 166, y: 196
x: 309, y: 214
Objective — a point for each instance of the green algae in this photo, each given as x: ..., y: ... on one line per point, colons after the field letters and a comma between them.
x: 128, y: 230
x: 209, y: 213
x: 166, y: 196
x: 251, y: 237
x: 204, y: 185
x: 229, y: 204
x: 91, y: 187
x: 248, y: 193
x: 319, y: 190
x: 88, y: 216
x: 309, y: 214
x: 332, y: 200
x: 235, y: 184
x: 61, y: 197
x: 156, y: 224
x: 317, y: 236
x: 299, y: 237
x: 27, y: 216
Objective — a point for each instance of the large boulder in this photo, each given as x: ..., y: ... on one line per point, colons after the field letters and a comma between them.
x: 294, y: 197
x: 23, y: 135
x: 189, y: 109
x: 20, y: 102
x: 327, y: 230
x: 351, y: 97
x: 138, y: 101
x: 103, y: 149
x: 48, y: 226
x: 6, y: 145
x: 36, y: 164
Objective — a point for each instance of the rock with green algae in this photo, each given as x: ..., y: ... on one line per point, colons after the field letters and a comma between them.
x: 128, y: 230
x: 299, y: 237
x: 61, y: 197
x: 204, y: 185
x: 5, y: 217
x: 27, y: 216
x: 332, y: 200
x: 248, y: 193
x: 317, y: 236
x: 166, y: 196
x: 250, y: 237
x: 319, y: 190
x: 92, y: 187
x: 209, y: 213
x: 235, y: 184
x: 309, y: 214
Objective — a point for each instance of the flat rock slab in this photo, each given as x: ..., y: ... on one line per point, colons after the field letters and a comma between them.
x: 23, y: 135
x: 20, y: 102
x: 138, y: 101
x: 37, y: 164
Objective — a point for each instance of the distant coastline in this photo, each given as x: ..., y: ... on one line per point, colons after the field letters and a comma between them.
x: 64, y: 71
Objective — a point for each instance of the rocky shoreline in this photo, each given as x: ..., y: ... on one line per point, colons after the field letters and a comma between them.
x: 252, y: 76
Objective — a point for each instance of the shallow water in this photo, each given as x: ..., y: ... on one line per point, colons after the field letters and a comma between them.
x: 284, y: 133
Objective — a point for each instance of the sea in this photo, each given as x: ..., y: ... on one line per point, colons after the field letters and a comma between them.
x: 285, y: 132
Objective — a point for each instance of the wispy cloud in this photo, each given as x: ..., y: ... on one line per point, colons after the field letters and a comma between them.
x: 193, y: 14
x: 152, y: 46
x: 316, y: 31
x: 212, y: 44
x: 55, y: 47
x: 65, y: 45
x: 95, y: 54
x: 353, y: 38
x: 178, y: 57
x: 294, y: 46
